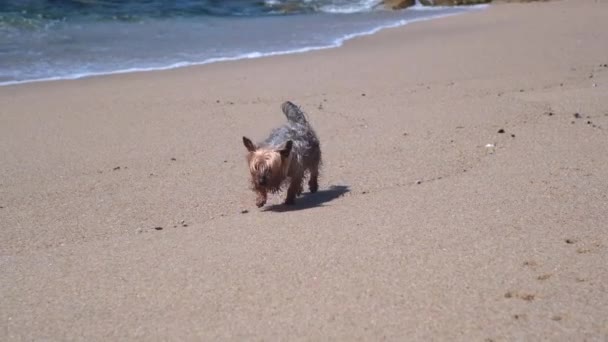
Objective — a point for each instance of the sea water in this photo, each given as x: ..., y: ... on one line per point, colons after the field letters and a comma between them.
x: 67, y: 39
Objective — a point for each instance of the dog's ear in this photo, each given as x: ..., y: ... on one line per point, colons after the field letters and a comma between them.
x: 286, y: 149
x: 248, y: 144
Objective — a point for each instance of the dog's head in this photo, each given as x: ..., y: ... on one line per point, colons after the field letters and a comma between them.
x: 268, y: 167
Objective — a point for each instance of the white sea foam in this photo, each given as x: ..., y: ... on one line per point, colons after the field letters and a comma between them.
x: 350, y: 6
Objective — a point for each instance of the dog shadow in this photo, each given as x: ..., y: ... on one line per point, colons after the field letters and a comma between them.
x: 309, y: 200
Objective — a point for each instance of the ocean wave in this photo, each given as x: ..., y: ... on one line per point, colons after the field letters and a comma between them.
x: 23, y: 13
x: 32, y: 11
x: 66, y: 72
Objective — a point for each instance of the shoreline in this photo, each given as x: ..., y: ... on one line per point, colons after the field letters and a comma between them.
x: 254, y: 55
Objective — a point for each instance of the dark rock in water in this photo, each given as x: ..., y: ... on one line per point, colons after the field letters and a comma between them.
x: 289, y: 7
x: 501, y: 131
x: 398, y: 4
x: 453, y: 2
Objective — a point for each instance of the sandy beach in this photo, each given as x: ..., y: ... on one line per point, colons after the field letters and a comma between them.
x: 463, y: 197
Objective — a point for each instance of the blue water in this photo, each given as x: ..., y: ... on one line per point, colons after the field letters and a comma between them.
x: 66, y: 39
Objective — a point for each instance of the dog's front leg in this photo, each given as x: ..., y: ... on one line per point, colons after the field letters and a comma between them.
x: 261, y: 198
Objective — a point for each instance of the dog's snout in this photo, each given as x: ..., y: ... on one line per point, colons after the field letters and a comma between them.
x: 262, y: 180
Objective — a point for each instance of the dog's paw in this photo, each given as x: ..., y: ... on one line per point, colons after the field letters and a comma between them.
x: 260, y: 202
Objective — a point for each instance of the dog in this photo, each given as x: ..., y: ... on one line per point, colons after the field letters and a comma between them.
x: 288, y: 153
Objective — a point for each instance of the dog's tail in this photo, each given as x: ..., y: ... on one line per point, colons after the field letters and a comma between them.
x: 294, y: 113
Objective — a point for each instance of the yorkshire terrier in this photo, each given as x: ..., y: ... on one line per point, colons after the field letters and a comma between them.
x: 284, y: 157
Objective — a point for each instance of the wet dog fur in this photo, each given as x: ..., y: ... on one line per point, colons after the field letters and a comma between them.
x: 285, y: 157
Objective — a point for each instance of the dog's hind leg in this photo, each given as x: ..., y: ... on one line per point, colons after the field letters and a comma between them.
x: 313, y: 182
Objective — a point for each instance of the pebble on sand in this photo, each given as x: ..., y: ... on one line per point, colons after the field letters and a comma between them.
x: 501, y: 131
x: 158, y: 228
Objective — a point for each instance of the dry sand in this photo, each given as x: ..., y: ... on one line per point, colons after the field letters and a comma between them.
x: 509, y: 245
